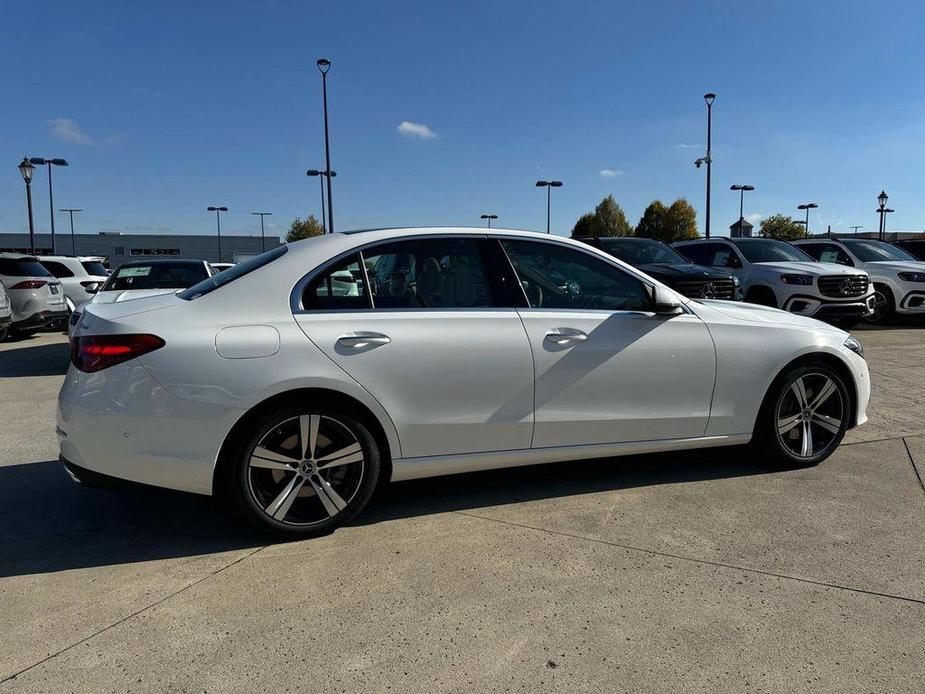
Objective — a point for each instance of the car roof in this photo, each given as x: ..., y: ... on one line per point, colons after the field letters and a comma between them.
x: 79, y: 258
x: 18, y: 256
x: 161, y: 261
x: 627, y: 239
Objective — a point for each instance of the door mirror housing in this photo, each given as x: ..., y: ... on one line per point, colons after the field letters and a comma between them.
x: 665, y: 303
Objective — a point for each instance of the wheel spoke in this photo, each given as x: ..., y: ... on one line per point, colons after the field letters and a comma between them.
x: 267, y: 454
x: 824, y: 394
x: 807, y: 449
x: 830, y: 424
x: 785, y: 424
x: 280, y: 506
x: 257, y: 461
x: 799, y: 390
x: 308, y: 434
x: 345, y: 456
x: 332, y: 501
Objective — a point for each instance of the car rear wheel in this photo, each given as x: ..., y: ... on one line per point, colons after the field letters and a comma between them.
x: 305, y: 472
x: 804, y: 417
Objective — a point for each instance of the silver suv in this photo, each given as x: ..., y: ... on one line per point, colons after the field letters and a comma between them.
x: 6, y: 313
x: 36, y: 297
x: 80, y: 276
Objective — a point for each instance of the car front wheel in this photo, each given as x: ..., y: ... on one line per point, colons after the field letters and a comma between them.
x: 305, y: 472
x: 804, y: 417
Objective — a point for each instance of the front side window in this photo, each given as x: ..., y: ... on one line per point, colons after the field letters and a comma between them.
x: 556, y: 277
x: 711, y: 254
x: 827, y: 253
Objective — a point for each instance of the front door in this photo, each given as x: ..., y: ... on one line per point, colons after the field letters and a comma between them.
x: 422, y: 324
x: 608, y: 369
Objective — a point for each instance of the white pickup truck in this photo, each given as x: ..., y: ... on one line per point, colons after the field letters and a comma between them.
x: 776, y: 273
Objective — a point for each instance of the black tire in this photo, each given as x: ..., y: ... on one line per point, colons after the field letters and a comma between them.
x: 782, y: 402
x: 313, y: 499
x: 3, y: 332
x: 884, y: 306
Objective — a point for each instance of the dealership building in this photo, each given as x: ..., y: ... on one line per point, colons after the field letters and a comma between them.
x: 118, y: 248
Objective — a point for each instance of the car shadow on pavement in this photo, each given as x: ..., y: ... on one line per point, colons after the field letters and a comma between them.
x: 48, y: 523
x: 34, y: 360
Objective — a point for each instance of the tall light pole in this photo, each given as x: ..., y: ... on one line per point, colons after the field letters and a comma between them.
x: 71, y: 211
x: 323, y: 66
x: 548, y: 185
x: 26, y: 169
x: 854, y: 229
x: 882, y: 211
x: 489, y: 217
x: 708, y: 159
x: 741, y: 189
x: 323, y: 174
x: 218, y: 226
x: 807, y: 206
x: 39, y: 161
x: 263, y: 244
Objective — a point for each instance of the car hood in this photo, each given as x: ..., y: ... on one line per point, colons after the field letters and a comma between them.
x: 683, y: 271
x: 897, y: 266
x: 810, y: 268
x: 754, y: 313
x: 114, y: 297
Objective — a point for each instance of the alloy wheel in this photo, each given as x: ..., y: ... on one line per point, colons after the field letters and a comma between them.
x: 881, y: 308
x: 810, y: 415
x: 305, y: 470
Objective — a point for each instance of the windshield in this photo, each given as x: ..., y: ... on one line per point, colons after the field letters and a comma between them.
x: 770, y: 251
x: 22, y: 268
x: 156, y: 276
x: 212, y: 283
x: 871, y: 251
x: 94, y: 267
x: 639, y: 252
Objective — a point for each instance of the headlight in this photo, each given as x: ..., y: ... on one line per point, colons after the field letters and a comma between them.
x: 796, y: 279
x: 912, y: 276
x: 855, y: 346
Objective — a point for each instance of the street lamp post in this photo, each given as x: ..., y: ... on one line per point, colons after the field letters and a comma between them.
x: 324, y: 174
x: 855, y: 228
x: 39, y: 161
x: 808, y: 206
x: 881, y: 210
x: 218, y: 226
x: 489, y: 217
x: 708, y: 159
x: 27, y: 169
x: 263, y: 244
x: 71, y: 211
x: 548, y: 185
x: 323, y: 66
x: 741, y: 189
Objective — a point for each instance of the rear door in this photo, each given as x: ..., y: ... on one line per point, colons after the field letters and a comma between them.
x: 424, y: 324
x: 608, y: 369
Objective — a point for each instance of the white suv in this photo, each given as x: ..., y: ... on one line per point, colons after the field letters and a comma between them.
x: 36, y: 297
x: 81, y: 276
x: 899, y: 278
x: 6, y: 313
x: 778, y: 274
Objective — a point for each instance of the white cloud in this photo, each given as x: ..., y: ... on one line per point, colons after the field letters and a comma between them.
x: 686, y: 146
x: 612, y: 173
x: 67, y: 130
x: 409, y: 129
x: 754, y: 218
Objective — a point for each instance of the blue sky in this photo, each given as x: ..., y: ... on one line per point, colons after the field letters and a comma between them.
x: 165, y: 108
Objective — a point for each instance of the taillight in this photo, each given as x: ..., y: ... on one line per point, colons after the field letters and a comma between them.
x: 91, y: 353
x: 29, y: 284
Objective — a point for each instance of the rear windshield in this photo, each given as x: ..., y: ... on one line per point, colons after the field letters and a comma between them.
x: 22, y: 268
x: 212, y: 283
x: 94, y: 267
x: 156, y: 276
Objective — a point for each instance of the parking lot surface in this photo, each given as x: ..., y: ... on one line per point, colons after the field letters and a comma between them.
x: 692, y: 572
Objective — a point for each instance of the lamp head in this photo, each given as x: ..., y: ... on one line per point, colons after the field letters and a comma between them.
x: 26, y: 169
x: 709, y: 97
x: 540, y: 184
x: 882, y: 198
x: 556, y: 184
x: 323, y: 65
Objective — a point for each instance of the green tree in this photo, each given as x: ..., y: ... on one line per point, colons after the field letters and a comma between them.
x: 653, y: 221
x: 781, y: 226
x: 610, y: 220
x: 304, y: 229
x: 585, y: 226
x: 680, y: 222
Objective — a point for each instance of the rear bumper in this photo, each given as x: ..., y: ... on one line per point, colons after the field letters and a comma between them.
x: 39, y: 319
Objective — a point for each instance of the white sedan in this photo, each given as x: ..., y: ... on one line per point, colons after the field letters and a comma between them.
x: 295, y: 382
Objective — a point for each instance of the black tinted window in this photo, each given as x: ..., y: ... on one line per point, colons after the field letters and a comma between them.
x: 22, y: 268
x: 57, y: 269
x: 94, y: 267
x: 428, y: 273
x: 554, y: 276
x: 712, y: 254
x: 156, y: 276
x: 826, y: 253
x: 210, y: 284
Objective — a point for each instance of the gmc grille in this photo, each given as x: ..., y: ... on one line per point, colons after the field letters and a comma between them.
x: 707, y: 289
x: 842, y: 286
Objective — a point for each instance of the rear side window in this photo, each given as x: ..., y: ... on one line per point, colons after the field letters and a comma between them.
x: 156, y: 276
x: 210, y: 284
x: 22, y: 268
x: 342, y: 286
x: 94, y: 267
x: 57, y: 269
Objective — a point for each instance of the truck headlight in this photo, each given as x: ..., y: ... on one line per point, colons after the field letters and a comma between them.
x: 912, y: 276
x: 855, y: 346
x: 797, y: 279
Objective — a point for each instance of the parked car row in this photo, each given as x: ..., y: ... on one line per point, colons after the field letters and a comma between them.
x: 295, y: 382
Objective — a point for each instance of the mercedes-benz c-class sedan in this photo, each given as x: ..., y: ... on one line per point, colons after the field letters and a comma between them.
x: 296, y: 382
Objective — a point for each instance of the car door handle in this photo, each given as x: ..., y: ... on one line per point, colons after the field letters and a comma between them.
x: 563, y: 336
x: 363, y: 339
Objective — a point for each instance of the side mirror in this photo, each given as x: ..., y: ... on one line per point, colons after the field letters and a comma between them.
x: 665, y: 303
